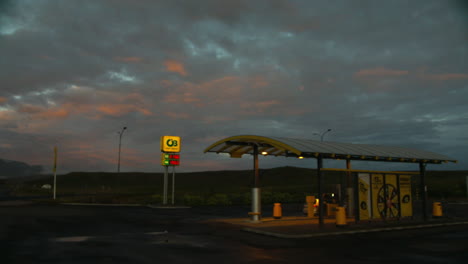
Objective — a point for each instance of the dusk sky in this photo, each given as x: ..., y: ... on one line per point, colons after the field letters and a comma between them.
x: 73, y: 73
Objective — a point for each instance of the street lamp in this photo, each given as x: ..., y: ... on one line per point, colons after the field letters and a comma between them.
x: 120, y: 145
x: 323, y: 134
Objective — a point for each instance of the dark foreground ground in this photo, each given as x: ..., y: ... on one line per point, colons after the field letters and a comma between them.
x: 32, y: 233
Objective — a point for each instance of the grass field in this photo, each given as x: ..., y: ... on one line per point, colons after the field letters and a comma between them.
x: 285, y: 184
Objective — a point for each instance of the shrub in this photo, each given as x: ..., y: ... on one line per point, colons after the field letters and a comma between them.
x: 281, y: 197
x: 239, y: 198
x: 189, y: 199
x: 218, y: 199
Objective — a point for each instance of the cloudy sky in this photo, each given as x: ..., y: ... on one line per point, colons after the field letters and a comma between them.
x: 73, y: 73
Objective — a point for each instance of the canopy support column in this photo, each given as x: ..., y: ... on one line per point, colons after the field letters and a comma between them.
x: 349, y: 189
x: 256, y: 197
x: 422, y: 173
x: 320, y: 191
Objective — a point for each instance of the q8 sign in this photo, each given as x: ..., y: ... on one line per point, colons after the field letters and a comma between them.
x: 170, y: 144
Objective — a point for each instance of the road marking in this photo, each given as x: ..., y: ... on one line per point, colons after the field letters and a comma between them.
x: 86, y: 238
x: 73, y: 239
x: 157, y: 233
x: 99, y: 204
x: 168, y: 207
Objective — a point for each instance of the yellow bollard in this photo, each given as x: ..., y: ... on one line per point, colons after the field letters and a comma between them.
x: 437, y: 209
x: 310, y: 200
x: 340, y: 216
x: 277, y: 212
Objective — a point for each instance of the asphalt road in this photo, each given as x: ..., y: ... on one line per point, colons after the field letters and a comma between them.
x: 92, y: 234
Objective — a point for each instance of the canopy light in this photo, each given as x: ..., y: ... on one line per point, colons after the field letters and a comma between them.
x: 264, y: 153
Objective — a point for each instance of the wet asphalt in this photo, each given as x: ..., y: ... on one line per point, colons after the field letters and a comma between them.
x: 41, y: 233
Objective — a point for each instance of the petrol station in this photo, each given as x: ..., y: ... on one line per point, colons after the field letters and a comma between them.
x: 370, y: 194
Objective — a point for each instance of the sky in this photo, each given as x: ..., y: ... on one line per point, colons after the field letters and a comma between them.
x: 74, y: 73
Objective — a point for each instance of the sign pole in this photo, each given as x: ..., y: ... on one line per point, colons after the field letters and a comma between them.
x: 55, y: 172
x: 170, y: 146
x: 173, y: 184
x: 165, y: 185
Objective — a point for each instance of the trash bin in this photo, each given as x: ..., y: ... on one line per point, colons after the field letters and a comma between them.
x: 277, y: 211
x: 340, y: 214
x: 310, y: 201
x: 437, y: 209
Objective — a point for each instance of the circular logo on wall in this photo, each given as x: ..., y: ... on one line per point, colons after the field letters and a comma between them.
x: 363, y: 205
x: 406, y: 199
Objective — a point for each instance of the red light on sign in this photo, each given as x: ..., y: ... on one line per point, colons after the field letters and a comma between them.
x: 174, y: 162
x: 170, y: 159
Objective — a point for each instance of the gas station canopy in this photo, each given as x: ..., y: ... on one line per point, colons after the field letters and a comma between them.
x: 237, y: 146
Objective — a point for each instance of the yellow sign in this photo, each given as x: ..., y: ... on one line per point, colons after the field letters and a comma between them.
x: 364, y: 196
x: 55, y: 159
x: 406, y: 202
x: 170, y: 144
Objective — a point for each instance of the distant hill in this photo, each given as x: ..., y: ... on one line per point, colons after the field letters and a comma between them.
x: 11, y: 169
x: 284, y: 184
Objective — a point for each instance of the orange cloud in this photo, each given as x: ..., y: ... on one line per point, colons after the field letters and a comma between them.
x: 259, y: 82
x: 258, y: 107
x: 6, y: 145
x: 121, y: 105
x: 121, y: 109
x: 216, y: 91
x: 54, y: 113
x: 6, y: 115
x: 187, y: 97
x: 175, y: 66
x: 380, y: 71
x: 224, y: 90
x: 30, y: 109
x: 3, y: 100
x: 445, y: 76
x: 129, y: 59
x: 44, y: 113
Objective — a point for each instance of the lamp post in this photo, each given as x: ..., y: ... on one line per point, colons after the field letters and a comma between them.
x: 120, y: 145
x: 323, y: 134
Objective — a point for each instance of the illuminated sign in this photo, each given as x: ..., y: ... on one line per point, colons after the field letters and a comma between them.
x: 170, y: 144
x: 170, y: 159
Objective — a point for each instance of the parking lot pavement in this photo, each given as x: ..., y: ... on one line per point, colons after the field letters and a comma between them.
x: 109, y: 234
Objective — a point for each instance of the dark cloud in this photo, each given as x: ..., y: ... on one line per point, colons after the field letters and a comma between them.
x: 74, y: 73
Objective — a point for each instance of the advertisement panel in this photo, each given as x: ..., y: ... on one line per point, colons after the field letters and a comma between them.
x: 406, y: 199
x: 391, y: 206
x: 364, y: 196
x: 377, y: 185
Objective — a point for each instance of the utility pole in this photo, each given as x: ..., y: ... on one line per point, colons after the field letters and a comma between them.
x: 120, y: 146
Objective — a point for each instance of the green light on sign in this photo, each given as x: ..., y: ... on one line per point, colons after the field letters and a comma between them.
x: 170, y: 159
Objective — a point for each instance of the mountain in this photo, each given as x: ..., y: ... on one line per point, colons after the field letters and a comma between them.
x: 11, y: 168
